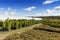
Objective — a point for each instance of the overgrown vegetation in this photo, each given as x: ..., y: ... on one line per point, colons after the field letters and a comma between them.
x: 37, y: 33
x: 49, y: 30
x: 10, y: 24
x: 52, y: 22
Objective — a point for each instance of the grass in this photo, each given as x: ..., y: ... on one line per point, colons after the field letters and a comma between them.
x: 48, y: 28
x: 42, y: 32
x: 39, y: 35
x: 21, y: 30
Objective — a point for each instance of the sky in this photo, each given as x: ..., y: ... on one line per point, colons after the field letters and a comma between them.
x: 23, y: 8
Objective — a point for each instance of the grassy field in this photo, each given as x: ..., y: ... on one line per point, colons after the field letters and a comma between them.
x: 41, y: 32
x: 6, y: 34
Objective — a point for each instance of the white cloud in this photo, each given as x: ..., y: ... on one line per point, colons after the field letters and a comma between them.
x: 1, y: 8
x: 49, y: 1
x: 10, y: 12
x: 38, y: 14
x: 50, y: 12
x: 57, y: 8
x: 7, y: 13
x: 30, y: 8
x: 9, y: 8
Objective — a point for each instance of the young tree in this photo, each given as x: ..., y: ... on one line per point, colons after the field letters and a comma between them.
x: 1, y: 24
x: 17, y: 24
x: 8, y: 24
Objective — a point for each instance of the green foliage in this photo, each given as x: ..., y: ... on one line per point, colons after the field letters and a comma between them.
x: 52, y: 22
x: 16, y: 24
x: 1, y: 23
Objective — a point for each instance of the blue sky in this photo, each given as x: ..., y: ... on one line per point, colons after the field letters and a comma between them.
x: 29, y: 8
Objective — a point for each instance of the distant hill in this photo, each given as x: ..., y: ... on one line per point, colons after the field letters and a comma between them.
x: 57, y: 17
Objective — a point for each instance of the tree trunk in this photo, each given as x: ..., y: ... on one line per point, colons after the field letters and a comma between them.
x: 9, y: 29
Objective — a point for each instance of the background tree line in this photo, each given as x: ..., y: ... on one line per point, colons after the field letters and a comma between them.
x: 54, y: 22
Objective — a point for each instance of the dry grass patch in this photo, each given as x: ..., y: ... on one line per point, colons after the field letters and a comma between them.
x: 36, y: 34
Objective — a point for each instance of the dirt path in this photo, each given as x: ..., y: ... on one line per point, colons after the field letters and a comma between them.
x: 4, y: 35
